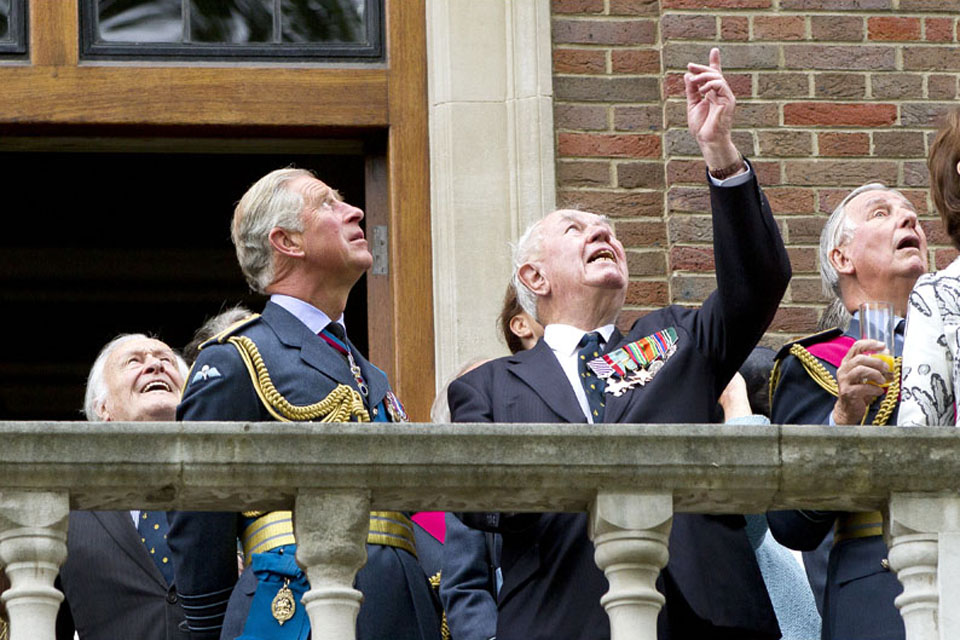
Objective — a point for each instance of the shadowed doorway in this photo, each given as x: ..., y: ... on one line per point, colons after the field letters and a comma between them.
x: 113, y: 241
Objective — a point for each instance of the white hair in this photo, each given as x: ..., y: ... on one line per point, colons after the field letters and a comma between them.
x: 267, y: 204
x: 838, y: 231
x: 526, y: 248
x: 96, y: 395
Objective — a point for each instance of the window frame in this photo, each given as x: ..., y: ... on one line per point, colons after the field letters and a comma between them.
x: 17, y: 20
x: 371, y: 51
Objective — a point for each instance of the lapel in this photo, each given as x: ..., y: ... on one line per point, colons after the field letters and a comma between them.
x: 539, y: 369
x: 119, y: 526
x: 313, y: 350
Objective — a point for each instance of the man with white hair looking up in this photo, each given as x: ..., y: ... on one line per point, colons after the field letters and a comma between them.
x: 571, y: 274
x: 871, y: 249
x: 118, y: 578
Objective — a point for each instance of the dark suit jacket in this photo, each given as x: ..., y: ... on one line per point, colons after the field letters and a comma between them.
x: 112, y: 587
x: 552, y: 586
x: 398, y: 601
x: 468, y: 586
x: 856, y: 592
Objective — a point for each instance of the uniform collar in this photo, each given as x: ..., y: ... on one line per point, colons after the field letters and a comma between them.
x: 315, y: 319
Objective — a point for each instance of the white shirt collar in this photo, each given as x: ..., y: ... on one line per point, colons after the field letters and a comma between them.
x: 305, y: 312
x: 564, y: 339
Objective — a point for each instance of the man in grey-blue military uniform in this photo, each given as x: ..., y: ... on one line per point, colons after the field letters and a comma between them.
x: 299, y: 242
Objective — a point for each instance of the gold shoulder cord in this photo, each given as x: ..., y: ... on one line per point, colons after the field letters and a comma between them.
x: 4, y: 629
x: 340, y: 405
x: 823, y: 378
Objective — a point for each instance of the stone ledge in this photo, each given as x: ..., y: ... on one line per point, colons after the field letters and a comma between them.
x: 707, y: 468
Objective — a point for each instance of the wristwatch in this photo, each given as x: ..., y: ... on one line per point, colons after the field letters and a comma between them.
x: 725, y: 172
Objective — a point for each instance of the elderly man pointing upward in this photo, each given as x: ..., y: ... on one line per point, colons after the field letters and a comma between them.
x: 571, y: 274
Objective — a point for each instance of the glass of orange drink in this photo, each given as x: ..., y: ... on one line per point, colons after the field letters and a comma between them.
x: 877, y: 323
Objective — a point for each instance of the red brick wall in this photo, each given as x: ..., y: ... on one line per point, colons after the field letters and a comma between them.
x: 831, y: 94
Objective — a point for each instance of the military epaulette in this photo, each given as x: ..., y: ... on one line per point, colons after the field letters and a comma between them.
x: 806, y: 341
x: 831, y: 346
x: 221, y: 337
x: 798, y: 349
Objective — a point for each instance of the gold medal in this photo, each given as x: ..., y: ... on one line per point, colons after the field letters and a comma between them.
x: 283, y: 605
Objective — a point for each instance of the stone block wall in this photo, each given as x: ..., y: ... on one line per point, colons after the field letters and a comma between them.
x: 831, y: 94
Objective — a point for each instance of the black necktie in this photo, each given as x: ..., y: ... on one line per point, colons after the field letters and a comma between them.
x: 153, y: 528
x: 593, y: 386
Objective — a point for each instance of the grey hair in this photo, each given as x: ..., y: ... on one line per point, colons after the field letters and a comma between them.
x: 96, y: 393
x: 267, y: 204
x: 527, y: 247
x: 837, y: 231
x: 212, y: 327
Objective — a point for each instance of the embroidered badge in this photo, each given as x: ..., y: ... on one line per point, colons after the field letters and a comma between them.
x: 394, y: 407
x: 206, y: 372
x: 635, y: 364
x: 283, y: 605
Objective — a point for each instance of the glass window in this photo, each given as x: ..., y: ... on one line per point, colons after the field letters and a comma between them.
x: 4, y: 20
x: 230, y: 29
x: 13, y: 38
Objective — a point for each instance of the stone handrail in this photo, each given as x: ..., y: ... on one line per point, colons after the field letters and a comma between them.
x: 631, y: 478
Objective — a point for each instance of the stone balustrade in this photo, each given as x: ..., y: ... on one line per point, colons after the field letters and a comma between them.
x: 631, y: 478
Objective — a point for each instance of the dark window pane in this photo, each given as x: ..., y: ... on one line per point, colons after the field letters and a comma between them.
x: 323, y: 20
x: 5, y: 21
x: 140, y: 21
x: 230, y: 29
x: 231, y: 21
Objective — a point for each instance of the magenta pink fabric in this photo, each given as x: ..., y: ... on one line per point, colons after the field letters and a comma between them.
x: 432, y: 522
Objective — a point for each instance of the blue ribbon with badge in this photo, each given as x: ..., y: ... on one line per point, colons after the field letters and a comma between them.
x: 276, y: 612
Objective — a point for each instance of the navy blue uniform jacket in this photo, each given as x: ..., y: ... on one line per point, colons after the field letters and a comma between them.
x: 398, y: 601
x: 551, y: 585
x: 858, y: 593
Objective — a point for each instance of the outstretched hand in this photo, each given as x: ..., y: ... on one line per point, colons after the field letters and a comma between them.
x: 710, y: 109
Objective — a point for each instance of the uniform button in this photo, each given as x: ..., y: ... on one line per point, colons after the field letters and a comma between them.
x: 885, y: 564
x: 172, y: 596
x: 374, y: 412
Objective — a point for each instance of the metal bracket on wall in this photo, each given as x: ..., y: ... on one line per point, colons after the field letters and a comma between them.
x: 379, y: 250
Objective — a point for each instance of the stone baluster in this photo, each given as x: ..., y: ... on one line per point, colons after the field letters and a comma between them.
x: 33, y: 545
x: 924, y: 540
x: 331, y: 530
x: 630, y: 533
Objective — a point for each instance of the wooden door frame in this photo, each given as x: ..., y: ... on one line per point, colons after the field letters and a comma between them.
x: 55, y: 90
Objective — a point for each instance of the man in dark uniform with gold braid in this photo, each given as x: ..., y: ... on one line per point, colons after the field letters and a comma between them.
x: 299, y: 242
x: 871, y: 249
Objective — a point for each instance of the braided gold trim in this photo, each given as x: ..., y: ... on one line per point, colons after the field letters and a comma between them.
x: 444, y: 628
x: 816, y: 370
x: 823, y: 378
x: 4, y: 629
x: 774, y: 380
x: 890, y: 400
x: 340, y: 405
